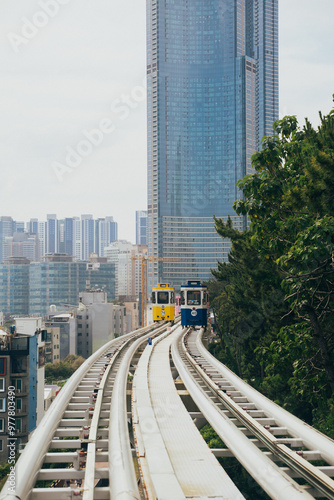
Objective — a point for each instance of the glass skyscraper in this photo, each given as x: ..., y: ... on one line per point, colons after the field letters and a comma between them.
x: 141, y: 227
x: 212, y: 88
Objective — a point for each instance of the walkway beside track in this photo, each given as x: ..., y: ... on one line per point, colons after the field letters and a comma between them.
x: 175, y: 452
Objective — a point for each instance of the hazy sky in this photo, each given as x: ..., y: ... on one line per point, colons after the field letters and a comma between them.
x: 72, y: 74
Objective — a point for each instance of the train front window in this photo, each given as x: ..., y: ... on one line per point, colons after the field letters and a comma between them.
x: 205, y: 299
x: 153, y: 297
x: 162, y: 297
x: 182, y: 300
x: 172, y: 298
x: 193, y: 298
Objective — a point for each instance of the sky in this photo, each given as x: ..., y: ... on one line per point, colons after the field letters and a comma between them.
x: 73, y: 108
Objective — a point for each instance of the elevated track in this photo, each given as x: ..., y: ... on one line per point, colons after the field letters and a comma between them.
x: 119, y: 429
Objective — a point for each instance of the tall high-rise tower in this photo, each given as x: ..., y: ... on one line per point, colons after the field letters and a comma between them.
x: 141, y: 227
x: 212, y: 88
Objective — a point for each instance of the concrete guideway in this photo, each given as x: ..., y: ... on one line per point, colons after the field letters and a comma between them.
x: 175, y: 461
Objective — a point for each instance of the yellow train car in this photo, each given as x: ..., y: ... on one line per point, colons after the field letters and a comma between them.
x: 163, y: 302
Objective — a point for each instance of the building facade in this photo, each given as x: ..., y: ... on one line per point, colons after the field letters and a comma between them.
x: 22, y: 245
x: 33, y: 287
x: 98, y: 321
x: 127, y: 260
x: 52, y: 343
x: 212, y: 91
x: 61, y: 337
x: 14, y: 286
x: 21, y: 380
x: 141, y: 227
x: 7, y: 228
x: 58, y: 281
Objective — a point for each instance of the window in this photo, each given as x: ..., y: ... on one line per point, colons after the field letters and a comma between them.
x: 19, y: 404
x: 153, y: 297
x: 182, y: 299
x: 18, y: 424
x: 18, y: 384
x: 2, y: 384
x: 2, y: 425
x: 3, y: 365
x: 2, y: 404
x: 162, y: 297
x: 193, y: 297
x: 1, y: 445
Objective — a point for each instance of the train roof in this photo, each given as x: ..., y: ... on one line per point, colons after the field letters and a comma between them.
x: 193, y: 284
x: 162, y: 286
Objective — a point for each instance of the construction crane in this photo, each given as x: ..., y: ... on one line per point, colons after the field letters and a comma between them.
x: 144, y: 259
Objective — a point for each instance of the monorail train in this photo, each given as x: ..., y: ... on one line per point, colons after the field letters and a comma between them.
x: 163, y: 302
x: 194, y: 303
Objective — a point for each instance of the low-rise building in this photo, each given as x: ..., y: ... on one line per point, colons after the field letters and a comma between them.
x: 50, y: 393
x: 22, y: 362
x: 52, y: 344
x: 98, y: 321
x: 63, y: 342
x: 131, y: 304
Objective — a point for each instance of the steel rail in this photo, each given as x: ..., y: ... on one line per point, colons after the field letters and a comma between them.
x: 277, y: 484
x: 89, y: 491
x: 312, y: 438
x: 122, y: 476
x: 89, y: 479
x: 312, y: 475
x: 307, y: 471
x: 29, y: 464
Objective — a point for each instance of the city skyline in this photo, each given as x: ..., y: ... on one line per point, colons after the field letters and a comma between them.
x: 75, y: 236
x: 58, y: 86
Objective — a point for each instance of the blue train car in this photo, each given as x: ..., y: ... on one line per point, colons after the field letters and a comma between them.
x: 194, y: 303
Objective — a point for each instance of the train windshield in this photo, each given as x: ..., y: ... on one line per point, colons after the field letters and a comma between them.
x: 172, y: 301
x: 153, y: 297
x: 193, y: 298
x: 162, y: 298
x: 182, y: 300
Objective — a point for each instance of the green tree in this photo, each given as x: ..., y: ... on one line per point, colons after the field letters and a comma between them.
x: 248, y: 302
x: 287, y: 201
x: 62, y: 369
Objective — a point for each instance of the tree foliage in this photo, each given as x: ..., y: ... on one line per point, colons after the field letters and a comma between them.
x: 62, y: 369
x: 286, y: 255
